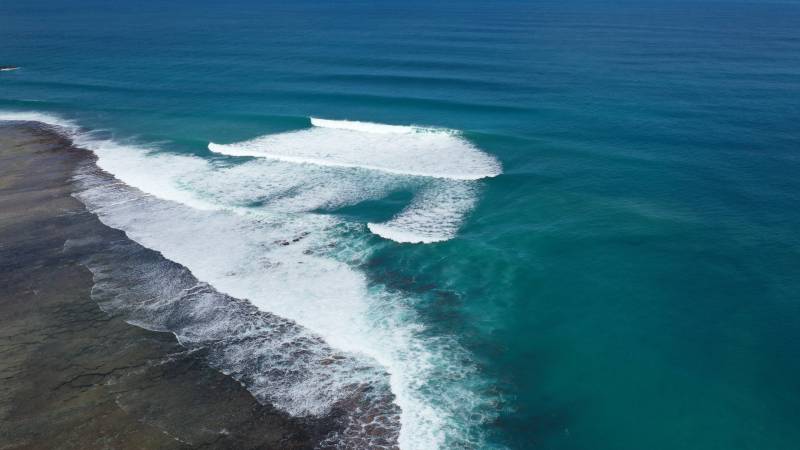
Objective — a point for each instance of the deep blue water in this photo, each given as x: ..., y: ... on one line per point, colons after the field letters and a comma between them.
x: 630, y: 281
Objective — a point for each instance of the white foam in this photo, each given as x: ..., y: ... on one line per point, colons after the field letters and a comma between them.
x: 407, y: 151
x: 8, y: 69
x: 401, y: 150
x: 280, y: 362
x: 434, y: 215
x: 245, y: 256
x: 161, y: 174
x: 372, y: 127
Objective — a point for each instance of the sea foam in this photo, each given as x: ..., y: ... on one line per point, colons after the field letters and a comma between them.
x: 402, y: 150
x: 441, y: 161
x: 64, y: 126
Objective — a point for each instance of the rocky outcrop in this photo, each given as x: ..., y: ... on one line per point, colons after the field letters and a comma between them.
x: 72, y: 376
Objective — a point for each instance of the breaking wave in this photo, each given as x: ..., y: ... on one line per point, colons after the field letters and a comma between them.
x: 400, y: 150
x: 322, y: 335
x: 440, y: 159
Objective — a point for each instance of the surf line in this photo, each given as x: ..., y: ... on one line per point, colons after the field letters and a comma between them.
x: 441, y: 164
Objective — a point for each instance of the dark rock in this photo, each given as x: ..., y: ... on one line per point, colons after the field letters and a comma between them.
x: 71, y: 377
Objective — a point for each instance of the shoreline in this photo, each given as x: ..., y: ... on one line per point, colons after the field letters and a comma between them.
x: 77, y: 377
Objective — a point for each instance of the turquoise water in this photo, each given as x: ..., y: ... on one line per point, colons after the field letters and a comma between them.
x: 630, y: 280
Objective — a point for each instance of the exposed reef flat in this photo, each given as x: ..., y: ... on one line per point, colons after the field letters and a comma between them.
x: 75, y: 377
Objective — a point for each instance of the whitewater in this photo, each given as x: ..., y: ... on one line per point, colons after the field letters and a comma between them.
x: 253, y: 229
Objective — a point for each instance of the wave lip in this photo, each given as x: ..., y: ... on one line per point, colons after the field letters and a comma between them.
x: 373, y: 127
x: 394, y: 149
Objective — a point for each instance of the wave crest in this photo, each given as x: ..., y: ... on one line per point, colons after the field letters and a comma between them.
x: 400, y: 150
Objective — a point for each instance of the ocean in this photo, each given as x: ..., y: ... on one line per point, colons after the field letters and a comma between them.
x: 523, y: 224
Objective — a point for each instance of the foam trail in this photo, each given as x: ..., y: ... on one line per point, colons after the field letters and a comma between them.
x: 400, y: 150
x: 279, y: 361
x: 434, y: 215
x: 282, y: 263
